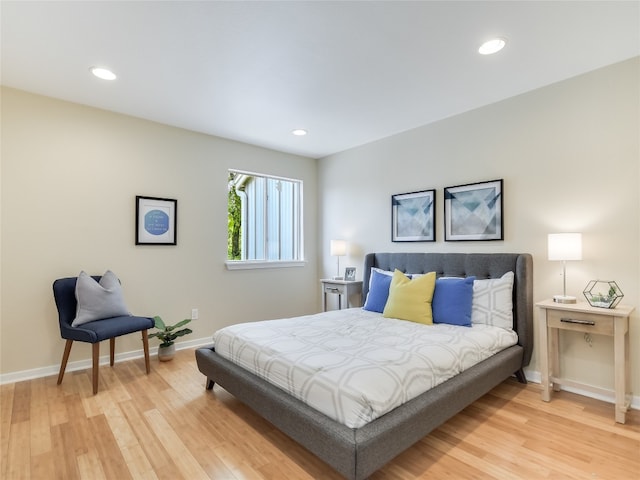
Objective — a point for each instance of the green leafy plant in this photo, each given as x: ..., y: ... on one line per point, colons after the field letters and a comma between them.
x: 168, y: 333
x: 601, y: 297
x: 234, y: 221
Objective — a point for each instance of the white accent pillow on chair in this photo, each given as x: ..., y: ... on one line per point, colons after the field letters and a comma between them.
x: 98, y: 300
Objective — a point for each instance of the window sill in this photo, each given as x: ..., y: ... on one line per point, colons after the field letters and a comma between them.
x: 255, y: 264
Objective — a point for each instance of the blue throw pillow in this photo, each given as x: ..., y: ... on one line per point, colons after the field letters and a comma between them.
x: 452, y: 301
x: 378, y: 292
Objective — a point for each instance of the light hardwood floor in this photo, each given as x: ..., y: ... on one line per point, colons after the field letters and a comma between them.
x: 167, y: 426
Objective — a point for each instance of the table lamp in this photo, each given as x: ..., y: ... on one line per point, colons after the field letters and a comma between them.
x: 564, y: 246
x: 338, y: 249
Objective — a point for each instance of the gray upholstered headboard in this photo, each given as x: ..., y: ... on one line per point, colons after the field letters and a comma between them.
x: 482, y: 266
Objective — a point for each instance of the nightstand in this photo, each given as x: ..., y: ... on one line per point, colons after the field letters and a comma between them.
x: 341, y: 288
x: 582, y: 317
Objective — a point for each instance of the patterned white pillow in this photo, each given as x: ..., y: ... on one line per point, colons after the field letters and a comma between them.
x: 493, y: 301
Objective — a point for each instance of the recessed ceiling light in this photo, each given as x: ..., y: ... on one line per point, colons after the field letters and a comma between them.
x: 299, y: 132
x: 492, y: 46
x: 103, y: 73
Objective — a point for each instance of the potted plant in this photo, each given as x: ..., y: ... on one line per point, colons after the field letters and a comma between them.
x: 167, y: 335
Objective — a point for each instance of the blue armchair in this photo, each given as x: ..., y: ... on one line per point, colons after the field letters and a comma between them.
x: 95, y: 331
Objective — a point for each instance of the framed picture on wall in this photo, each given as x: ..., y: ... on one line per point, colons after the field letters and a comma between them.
x: 413, y: 217
x: 156, y: 221
x: 473, y: 211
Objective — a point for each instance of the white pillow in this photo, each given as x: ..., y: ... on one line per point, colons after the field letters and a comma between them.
x: 493, y: 301
x: 97, y: 301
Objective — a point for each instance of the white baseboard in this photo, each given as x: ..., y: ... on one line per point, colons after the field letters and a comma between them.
x: 532, y: 375
x: 535, y: 377
x: 86, y: 364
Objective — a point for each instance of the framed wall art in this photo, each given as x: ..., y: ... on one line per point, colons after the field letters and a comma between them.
x: 413, y: 217
x: 156, y: 221
x: 473, y: 211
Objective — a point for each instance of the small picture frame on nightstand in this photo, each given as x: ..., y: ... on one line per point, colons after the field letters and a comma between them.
x: 350, y: 274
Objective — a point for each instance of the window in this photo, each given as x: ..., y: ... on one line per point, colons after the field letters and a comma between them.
x: 264, y: 220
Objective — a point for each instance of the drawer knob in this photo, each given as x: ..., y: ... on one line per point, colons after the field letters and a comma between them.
x: 579, y: 322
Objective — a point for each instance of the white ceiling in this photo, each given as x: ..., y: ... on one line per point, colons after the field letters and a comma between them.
x: 348, y: 72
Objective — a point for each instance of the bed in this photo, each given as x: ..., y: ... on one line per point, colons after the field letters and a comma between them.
x: 358, y: 452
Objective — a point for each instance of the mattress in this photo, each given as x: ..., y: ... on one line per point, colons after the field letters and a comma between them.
x: 354, y: 365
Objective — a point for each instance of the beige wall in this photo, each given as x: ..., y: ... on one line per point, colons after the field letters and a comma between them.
x: 569, y: 156
x: 70, y: 175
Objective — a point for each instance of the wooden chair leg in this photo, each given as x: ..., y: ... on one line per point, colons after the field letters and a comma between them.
x: 112, y: 350
x: 145, y: 345
x: 96, y: 356
x: 65, y: 357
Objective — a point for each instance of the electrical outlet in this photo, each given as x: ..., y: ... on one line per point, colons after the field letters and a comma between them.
x: 194, y: 314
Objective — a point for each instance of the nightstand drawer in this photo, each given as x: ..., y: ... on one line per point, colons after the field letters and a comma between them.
x: 335, y: 288
x: 581, y: 322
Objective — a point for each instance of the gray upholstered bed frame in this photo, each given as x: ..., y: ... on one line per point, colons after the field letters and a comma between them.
x: 357, y: 453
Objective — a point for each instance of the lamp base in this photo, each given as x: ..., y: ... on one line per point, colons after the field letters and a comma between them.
x: 564, y: 299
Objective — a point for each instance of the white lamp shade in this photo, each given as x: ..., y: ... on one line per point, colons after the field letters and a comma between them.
x: 338, y: 248
x: 565, y: 246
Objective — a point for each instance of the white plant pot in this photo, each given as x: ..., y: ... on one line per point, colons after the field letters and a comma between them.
x: 166, y: 353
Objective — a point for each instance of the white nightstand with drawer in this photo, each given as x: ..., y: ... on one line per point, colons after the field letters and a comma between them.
x: 342, y: 288
x: 582, y: 317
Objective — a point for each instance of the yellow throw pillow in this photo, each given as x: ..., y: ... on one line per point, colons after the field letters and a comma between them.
x: 411, y: 299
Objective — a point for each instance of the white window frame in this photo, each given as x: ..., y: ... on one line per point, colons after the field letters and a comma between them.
x: 245, y: 264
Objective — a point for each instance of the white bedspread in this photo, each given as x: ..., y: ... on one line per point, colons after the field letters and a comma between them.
x: 354, y: 365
